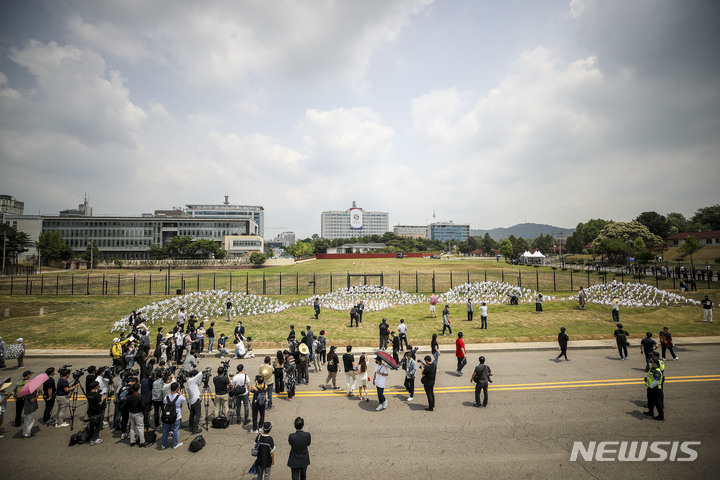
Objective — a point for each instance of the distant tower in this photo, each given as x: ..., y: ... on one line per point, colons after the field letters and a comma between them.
x: 433, y: 213
x: 354, y: 204
x: 226, y: 199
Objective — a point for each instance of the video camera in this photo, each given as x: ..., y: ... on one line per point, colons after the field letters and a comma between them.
x: 207, y: 373
x: 78, y: 373
x: 225, y: 366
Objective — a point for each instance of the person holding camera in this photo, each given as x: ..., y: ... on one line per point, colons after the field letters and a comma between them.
x: 135, y: 405
x: 481, y: 376
x: 95, y: 400
x: 221, y: 382
x: 63, y: 392
x: 259, y: 391
x: 193, y: 389
x: 410, y: 366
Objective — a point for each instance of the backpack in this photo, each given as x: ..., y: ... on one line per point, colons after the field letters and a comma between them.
x: 150, y: 436
x: 621, y: 338
x: 220, y: 422
x: 169, y: 411
x: 260, y: 398
x: 79, y: 438
x: 197, y: 444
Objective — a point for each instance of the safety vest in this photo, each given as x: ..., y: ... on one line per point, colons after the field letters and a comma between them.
x: 653, y: 375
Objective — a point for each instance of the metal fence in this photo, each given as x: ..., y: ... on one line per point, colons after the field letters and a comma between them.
x: 310, y: 284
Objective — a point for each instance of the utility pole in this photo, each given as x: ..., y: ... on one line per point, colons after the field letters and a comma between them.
x: 3, y: 260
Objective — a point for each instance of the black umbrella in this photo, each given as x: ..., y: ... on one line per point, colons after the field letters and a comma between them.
x: 387, y: 358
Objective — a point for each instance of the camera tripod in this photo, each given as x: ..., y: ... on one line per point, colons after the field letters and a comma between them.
x: 74, y: 401
x: 205, y: 394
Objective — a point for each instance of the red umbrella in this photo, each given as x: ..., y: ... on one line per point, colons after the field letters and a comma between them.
x: 387, y: 358
x: 33, y: 384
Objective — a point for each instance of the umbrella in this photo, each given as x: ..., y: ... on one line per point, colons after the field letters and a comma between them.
x: 32, y: 385
x: 433, y: 299
x: 387, y: 358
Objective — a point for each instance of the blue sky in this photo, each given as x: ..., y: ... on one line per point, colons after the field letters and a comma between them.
x: 493, y: 113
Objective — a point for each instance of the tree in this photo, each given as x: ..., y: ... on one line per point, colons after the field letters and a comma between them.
x: 52, y: 247
x: 92, y: 254
x: 271, y: 252
x: 158, y: 253
x: 677, y: 223
x: 15, y: 242
x: 655, y: 222
x: 628, y: 231
x: 544, y: 243
x: 707, y: 218
x: 690, y: 246
x: 257, y: 258
x: 506, y: 248
x: 300, y: 249
x: 488, y: 244
x: 179, y: 247
x: 611, y: 247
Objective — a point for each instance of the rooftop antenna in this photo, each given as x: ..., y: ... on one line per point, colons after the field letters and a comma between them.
x: 226, y: 199
x: 433, y: 212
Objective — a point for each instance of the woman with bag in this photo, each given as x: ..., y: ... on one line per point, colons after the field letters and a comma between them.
x: 278, y: 370
x: 363, y: 378
x: 332, y: 368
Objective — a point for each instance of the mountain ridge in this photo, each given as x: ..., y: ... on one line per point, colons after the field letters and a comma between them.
x: 527, y: 231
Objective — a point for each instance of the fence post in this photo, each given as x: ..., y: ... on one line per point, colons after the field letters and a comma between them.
x: 622, y: 276
x: 502, y: 274
x: 433, y: 282
x: 297, y: 283
x: 42, y: 284
x: 571, y: 280
x: 88, y: 284
x: 399, y: 280
x: 468, y: 272
x: 451, y: 285
x: 213, y: 280
x: 11, y: 284
x: 280, y: 283
x: 314, y: 284
x: 331, y: 275
x: 72, y: 284
x: 348, y: 279
x: 554, y: 282
x: 486, y: 275
x: 118, y: 285
x: 382, y: 279
x: 247, y: 283
x: 537, y: 279
x: 416, y: 281
x: 231, y: 282
x: 57, y: 284
x: 150, y: 288
x: 519, y: 278
x: 264, y: 288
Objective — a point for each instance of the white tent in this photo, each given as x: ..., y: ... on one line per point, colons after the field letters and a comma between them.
x: 527, y: 254
x: 537, y: 254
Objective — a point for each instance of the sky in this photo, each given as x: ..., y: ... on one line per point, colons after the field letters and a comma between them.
x: 490, y: 113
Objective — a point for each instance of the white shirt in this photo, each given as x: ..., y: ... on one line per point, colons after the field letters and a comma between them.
x: 193, y: 388
x: 483, y: 311
x: 240, y: 348
x: 380, y: 379
x: 402, y: 328
x: 181, y: 318
x: 240, y: 379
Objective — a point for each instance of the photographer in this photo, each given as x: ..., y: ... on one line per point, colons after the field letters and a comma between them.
x: 125, y: 393
x: 221, y: 383
x: 95, y: 400
x: 135, y: 405
x: 103, y: 379
x: 157, y: 397
x: 189, y: 364
x: 242, y: 381
x: 49, y: 392
x: 193, y: 388
x: 63, y: 391
x: 481, y: 376
x: 410, y: 367
x: 146, y: 387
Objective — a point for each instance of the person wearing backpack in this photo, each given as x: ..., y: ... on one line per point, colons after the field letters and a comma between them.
x: 240, y: 385
x: 172, y: 416
x: 621, y: 336
x: 259, y: 391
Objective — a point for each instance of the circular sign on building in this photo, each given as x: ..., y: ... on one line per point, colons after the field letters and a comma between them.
x: 356, y: 219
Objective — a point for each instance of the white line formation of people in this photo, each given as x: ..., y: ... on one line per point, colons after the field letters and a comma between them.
x: 210, y: 304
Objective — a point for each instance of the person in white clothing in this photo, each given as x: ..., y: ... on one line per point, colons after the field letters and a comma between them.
x: 240, y: 349
x: 483, y: 316
x: 402, y: 330
x: 381, y: 373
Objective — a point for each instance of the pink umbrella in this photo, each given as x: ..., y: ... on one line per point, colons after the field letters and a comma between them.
x: 33, y: 384
x: 433, y: 299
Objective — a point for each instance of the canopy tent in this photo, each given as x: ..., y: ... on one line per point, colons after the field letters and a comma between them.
x: 527, y: 254
x: 537, y: 254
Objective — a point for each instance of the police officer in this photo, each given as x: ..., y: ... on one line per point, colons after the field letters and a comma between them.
x: 654, y: 383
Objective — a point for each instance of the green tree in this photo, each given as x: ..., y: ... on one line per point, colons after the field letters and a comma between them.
x: 16, y: 242
x: 157, y: 252
x: 179, y: 247
x: 655, y: 222
x: 544, y: 243
x: 628, y: 231
x: 690, y: 246
x: 92, y: 254
x: 488, y: 244
x: 707, y: 218
x: 506, y: 249
x: 206, y: 248
x: 677, y: 223
x: 611, y: 247
x: 271, y: 252
x: 52, y: 247
x: 257, y: 258
x: 301, y: 249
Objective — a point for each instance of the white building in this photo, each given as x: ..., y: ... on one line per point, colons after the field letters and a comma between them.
x: 227, y: 211
x: 354, y: 222
x: 285, y: 239
x: 30, y: 224
x: 411, y: 231
x: 239, y: 245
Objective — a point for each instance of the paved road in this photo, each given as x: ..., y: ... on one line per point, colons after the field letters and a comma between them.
x: 537, y: 409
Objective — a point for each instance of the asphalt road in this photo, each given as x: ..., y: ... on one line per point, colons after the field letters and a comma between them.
x: 538, y: 408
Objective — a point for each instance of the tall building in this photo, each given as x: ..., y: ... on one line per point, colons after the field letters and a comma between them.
x: 227, y: 211
x: 354, y: 222
x: 8, y: 204
x: 411, y: 231
x: 30, y: 224
x: 444, y: 231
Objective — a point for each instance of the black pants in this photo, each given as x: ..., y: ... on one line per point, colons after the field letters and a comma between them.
x: 157, y: 408
x: 429, y: 391
x: 655, y: 401
x: 94, y: 425
x: 49, y: 404
x: 616, y: 315
x: 448, y: 328
x: 195, y: 410
x: 410, y: 386
x: 19, y: 407
x: 258, y: 409
x: 403, y: 338
x: 622, y: 349
x: 470, y: 316
x: 299, y: 473
x: 478, y: 388
x: 667, y: 347
x: 563, y: 351
x: 483, y: 322
x: 357, y: 323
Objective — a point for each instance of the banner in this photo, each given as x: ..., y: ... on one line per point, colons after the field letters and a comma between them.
x: 356, y: 220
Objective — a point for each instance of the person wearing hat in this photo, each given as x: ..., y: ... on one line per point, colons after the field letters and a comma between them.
x: 654, y: 384
x: 446, y: 320
x: 266, y: 451
x: 20, y: 401
x: 563, y: 342
x: 63, y: 393
x: 4, y: 394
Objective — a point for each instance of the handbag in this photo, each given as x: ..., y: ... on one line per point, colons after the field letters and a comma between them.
x: 255, y: 447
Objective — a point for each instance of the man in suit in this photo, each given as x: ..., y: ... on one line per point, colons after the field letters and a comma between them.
x: 299, y: 458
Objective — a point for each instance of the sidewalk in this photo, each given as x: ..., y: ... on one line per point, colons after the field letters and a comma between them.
x: 448, y: 349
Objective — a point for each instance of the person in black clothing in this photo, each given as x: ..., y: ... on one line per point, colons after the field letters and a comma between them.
x: 563, y: 342
x: 360, y: 309
x: 266, y: 451
x: 135, y: 405
x: 481, y: 376
x: 299, y: 458
x: 354, y: 316
x: 146, y: 385
x: 349, y: 367
x: 384, y: 333
x: 395, y: 347
x: 221, y: 382
x: 621, y: 338
x: 90, y: 377
x: 429, y: 371
x: 49, y: 394
x: 332, y: 368
x: 95, y: 401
